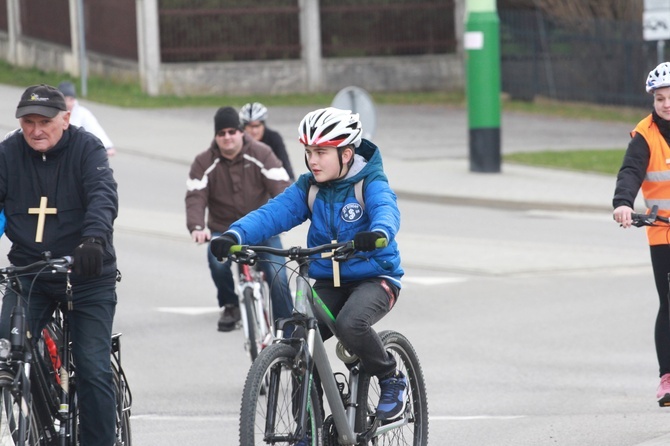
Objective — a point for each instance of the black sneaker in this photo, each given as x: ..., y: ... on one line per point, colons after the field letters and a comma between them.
x: 392, y: 398
x: 230, y: 316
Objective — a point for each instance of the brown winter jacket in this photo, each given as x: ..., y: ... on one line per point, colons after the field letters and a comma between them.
x: 230, y: 189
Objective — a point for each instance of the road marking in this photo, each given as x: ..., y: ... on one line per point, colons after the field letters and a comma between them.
x: 475, y: 417
x: 191, y: 311
x: 433, y: 280
x: 208, y: 418
x: 570, y: 215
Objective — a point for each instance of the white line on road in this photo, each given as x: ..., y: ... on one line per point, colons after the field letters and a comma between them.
x: 433, y: 280
x: 190, y: 311
x: 475, y: 417
x: 158, y: 417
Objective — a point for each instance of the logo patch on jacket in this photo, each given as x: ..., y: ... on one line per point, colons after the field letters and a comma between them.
x: 352, y: 212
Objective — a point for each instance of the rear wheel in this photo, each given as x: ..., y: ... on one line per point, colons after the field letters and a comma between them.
x: 11, y: 415
x: 123, y: 433
x: 413, y: 430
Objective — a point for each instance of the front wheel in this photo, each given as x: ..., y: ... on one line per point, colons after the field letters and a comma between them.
x: 254, y: 336
x: 11, y: 415
x: 269, y: 417
x: 414, y: 428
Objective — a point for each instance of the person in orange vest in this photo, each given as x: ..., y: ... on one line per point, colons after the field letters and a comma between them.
x: 646, y: 166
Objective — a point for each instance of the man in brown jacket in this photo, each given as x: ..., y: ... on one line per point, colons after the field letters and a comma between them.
x: 233, y: 177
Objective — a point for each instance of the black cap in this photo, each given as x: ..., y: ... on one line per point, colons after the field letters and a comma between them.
x: 42, y: 100
x: 68, y: 89
x: 226, y: 118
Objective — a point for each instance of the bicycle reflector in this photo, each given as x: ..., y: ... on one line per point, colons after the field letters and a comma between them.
x: 5, y: 347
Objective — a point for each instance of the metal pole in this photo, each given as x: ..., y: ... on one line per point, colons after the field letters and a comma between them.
x: 82, y: 49
x: 660, y: 51
x: 482, y: 42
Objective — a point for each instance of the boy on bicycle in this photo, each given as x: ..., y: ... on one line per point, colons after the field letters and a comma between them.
x: 338, y: 158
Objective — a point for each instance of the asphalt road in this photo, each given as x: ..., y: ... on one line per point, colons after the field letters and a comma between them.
x: 533, y: 327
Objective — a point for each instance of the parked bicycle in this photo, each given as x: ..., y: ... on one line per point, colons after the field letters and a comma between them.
x: 38, y: 380
x: 255, y: 308
x: 281, y: 404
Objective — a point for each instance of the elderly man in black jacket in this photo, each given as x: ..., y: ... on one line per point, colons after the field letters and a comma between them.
x: 59, y: 195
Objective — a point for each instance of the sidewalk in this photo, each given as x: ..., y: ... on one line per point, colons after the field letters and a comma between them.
x: 425, y: 150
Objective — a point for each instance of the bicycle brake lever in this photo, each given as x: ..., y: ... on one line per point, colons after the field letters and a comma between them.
x: 245, y: 256
x: 344, y: 252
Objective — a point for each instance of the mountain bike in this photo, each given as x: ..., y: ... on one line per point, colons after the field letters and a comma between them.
x: 281, y: 404
x: 38, y: 380
x: 255, y: 308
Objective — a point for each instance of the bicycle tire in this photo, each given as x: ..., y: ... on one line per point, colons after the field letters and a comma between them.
x: 415, y: 432
x: 123, y: 431
x: 269, y: 320
x: 276, y: 360
x: 254, y: 332
x: 10, y: 413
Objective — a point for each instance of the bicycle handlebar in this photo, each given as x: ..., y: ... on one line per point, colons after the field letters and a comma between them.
x: 341, y: 250
x: 649, y: 219
x: 59, y: 264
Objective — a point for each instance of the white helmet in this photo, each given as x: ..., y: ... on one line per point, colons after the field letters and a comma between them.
x: 253, y: 111
x: 330, y: 127
x: 659, y: 77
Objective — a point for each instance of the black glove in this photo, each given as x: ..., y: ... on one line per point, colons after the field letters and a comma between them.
x: 88, y: 257
x: 220, y: 246
x: 365, y: 241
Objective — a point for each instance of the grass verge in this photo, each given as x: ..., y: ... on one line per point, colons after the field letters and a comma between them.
x: 129, y: 94
x: 599, y: 161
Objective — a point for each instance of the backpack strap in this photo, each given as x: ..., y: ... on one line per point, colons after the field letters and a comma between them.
x: 358, y: 193
x: 311, y: 196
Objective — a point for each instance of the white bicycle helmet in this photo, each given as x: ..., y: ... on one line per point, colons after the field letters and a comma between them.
x: 330, y: 127
x: 659, y: 77
x: 253, y: 111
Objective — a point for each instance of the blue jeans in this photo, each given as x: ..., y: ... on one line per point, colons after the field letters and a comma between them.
x: 282, y: 304
x: 91, y: 319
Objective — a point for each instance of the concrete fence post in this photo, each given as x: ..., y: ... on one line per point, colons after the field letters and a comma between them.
x: 13, y: 30
x: 148, y: 46
x: 310, y: 39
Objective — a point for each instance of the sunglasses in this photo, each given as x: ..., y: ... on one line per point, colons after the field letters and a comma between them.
x: 230, y: 132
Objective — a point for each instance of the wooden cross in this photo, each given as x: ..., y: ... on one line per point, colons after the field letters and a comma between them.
x: 41, y: 211
x: 336, y: 266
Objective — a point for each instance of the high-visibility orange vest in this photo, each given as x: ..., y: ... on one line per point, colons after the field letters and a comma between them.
x: 656, y: 184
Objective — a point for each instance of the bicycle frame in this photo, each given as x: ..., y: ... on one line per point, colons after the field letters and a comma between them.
x: 249, y: 278
x: 29, y: 366
x: 43, y: 385
x: 309, y: 305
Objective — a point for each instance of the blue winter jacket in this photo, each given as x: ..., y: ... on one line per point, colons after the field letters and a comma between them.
x: 336, y: 216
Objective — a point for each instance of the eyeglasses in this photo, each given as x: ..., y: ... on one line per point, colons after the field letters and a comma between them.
x: 254, y: 126
x: 229, y: 132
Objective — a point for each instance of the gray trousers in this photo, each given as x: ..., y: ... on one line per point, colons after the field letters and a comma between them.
x: 357, y: 306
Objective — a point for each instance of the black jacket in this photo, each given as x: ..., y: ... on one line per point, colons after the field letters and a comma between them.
x: 76, y: 179
x: 276, y: 143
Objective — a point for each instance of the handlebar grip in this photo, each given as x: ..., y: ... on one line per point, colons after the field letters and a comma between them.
x: 381, y: 243
x: 235, y: 249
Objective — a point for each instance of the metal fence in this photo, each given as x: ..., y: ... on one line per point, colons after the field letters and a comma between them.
x: 206, y: 31
x: 601, y: 61
x: 196, y: 31
x: 387, y: 28
x: 111, y: 26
